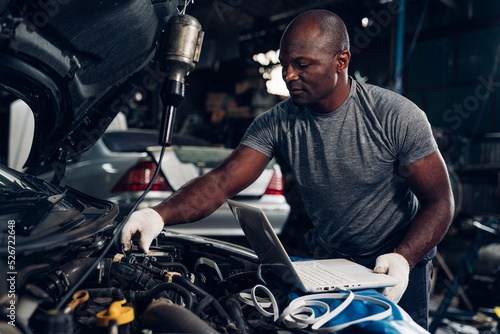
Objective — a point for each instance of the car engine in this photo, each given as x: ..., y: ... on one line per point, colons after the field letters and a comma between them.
x: 185, y: 285
x: 76, y: 64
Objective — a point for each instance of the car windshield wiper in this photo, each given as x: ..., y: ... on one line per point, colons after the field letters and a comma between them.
x: 20, y: 195
x: 35, y: 214
x: 36, y: 183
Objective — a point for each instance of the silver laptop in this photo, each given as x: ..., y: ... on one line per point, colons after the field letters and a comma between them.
x: 309, y: 276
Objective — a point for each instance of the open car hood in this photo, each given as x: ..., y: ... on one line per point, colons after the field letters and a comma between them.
x: 76, y: 63
x: 41, y: 217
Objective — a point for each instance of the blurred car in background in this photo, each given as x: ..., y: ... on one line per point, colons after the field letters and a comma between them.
x: 120, y: 165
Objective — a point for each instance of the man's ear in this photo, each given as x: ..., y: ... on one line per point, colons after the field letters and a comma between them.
x: 343, y: 59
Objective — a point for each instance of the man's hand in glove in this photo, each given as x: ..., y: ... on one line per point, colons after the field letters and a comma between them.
x: 145, y: 224
x: 394, y: 265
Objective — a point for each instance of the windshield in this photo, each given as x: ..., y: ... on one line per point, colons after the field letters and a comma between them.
x: 9, y: 182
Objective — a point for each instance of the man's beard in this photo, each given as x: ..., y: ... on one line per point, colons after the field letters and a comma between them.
x: 298, y: 103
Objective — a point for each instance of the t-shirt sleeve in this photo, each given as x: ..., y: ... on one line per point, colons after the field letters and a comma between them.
x: 413, y: 133
x: 261, y: 134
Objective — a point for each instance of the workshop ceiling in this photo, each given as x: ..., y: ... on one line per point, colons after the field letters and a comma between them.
x: 251, y: 16
x: 238, y: 28
x: 247, y: 19
x: 247, y: 15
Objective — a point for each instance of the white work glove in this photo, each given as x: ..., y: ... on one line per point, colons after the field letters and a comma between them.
x: 147, y: 223
x: 394, y: 265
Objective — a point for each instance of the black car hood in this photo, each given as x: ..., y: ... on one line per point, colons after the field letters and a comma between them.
x: 76, y: 63
x: 44, y: 216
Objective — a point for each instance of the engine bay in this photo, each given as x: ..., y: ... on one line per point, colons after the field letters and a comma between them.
x: 185, y: 284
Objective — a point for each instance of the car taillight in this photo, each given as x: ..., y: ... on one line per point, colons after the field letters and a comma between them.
x: 276, y: 185
x: 138, y: 177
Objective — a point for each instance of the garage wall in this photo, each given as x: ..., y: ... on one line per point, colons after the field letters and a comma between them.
x: 453, y: 70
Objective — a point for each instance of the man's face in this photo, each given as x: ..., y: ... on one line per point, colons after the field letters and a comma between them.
x: 309, y: 69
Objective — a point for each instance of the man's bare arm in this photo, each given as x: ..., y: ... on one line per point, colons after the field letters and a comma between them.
x: 205, y: 194
x: 429, y: 181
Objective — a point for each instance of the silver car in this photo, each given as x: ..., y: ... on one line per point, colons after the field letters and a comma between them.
x: 119, y: 166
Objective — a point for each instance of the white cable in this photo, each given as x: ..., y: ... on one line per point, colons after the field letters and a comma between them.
x: 261, y: 303
x: 293, y: 316
x: 275, y: 312
x: 300, y: 305
x: 246, y: 298
x: 299, y: 314
x: 336, y: 311
x: 312, y: 318
x: 186, y: 3
x: 374, y: 317
x: 302, y: 301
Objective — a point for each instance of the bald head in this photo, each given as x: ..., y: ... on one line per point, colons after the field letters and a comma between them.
x: 329, y: 24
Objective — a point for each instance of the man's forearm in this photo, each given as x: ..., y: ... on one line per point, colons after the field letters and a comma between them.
x: 205, y: 194
x: 195, y: 200
x: 427, y: 229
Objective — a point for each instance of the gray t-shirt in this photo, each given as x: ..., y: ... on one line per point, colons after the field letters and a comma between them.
x: 346, y: 163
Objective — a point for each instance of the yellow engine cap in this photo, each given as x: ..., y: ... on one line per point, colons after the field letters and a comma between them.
x: 122, y: 314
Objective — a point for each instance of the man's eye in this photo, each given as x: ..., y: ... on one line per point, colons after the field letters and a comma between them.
x: 303, y: 65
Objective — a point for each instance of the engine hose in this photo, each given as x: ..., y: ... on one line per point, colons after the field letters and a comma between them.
x: 60, y: 280
x: 175, y: 265
x: 164, y: 317
x: 115, y: 293
x: 151, y: 270
x: 202, y: 304
x: 200, y: 292
x: 149, y: 295
x: 131, y: 273
x: 234, y: 309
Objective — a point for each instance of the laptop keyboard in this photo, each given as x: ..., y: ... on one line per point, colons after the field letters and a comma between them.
x: 318, y: 274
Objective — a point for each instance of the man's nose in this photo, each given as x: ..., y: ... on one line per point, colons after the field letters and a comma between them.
x: 289, y: 74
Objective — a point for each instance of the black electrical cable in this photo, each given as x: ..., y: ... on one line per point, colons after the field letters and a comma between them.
x: 150, y: 269
x: 174, y: 265
x: 234, y: 309
x: 118, y: 231
x: 200, y: 292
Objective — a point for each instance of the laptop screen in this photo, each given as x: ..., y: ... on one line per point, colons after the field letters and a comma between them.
x: 264, y: 242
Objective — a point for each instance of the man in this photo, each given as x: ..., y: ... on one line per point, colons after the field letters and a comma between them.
x: 372, y: 180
